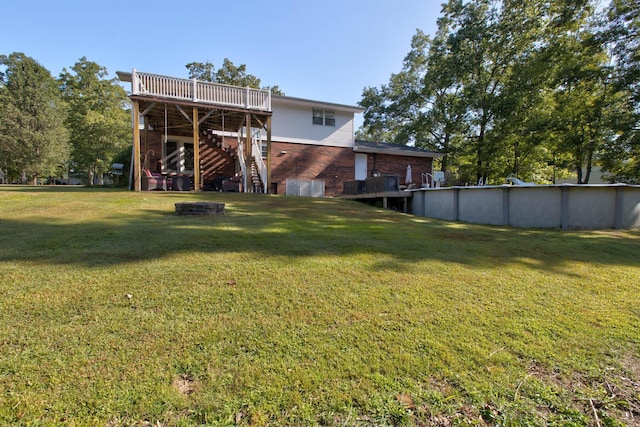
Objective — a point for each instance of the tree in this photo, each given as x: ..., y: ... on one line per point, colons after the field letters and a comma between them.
x: 443, y: 123
x: 621, y: 155
x: 97, y: 120
x: 481, y: 91
x: 391, y: 111
x: 584, y: 99
x: 624, y: 35
x: 228, y: 74
x: 420, y: 105
x: 33, y: 140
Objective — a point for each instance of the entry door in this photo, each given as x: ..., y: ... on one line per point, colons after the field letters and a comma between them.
x: 361, y: 166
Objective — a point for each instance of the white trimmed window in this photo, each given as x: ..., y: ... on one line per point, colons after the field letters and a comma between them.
x: 324, y: 117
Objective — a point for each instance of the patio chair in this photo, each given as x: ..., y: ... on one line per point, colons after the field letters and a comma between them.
x: 153, y: 181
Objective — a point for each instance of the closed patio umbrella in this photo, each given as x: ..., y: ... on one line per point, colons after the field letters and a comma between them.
x: 408, y: 179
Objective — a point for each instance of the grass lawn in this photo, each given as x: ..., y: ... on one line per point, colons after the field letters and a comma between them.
x: 296, y: 311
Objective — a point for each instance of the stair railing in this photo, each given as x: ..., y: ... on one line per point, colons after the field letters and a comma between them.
x: 259, y: 161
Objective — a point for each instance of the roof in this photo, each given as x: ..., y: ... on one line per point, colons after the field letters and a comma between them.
x: 124, y: 76
x: 303, y: 101
x: 394, y: 149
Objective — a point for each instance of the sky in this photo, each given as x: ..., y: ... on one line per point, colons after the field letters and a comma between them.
x: 326, y: 50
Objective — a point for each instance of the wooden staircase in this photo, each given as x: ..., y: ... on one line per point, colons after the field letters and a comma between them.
x: 256, y: 182
x: 216, y: 159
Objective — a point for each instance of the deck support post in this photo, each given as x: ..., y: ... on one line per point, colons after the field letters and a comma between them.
x: 137, y: 185
x: 196, y: 150
x: 249, y: 155
x: 268, y: 184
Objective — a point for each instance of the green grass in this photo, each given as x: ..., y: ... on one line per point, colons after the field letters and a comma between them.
x: 297, y: 311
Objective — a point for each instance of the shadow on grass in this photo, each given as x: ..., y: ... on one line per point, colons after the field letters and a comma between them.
x: 275, y: 227
x: 19, y: 188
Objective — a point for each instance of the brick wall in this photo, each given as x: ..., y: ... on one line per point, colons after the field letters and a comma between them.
x: 333, y: 165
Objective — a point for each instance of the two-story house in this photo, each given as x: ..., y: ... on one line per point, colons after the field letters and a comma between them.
x: 206, y: 136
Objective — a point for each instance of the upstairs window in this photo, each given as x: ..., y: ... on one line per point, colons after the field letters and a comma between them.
x: 324, y: 117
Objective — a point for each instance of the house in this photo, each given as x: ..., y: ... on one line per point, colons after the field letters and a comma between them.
x: 195, y: 135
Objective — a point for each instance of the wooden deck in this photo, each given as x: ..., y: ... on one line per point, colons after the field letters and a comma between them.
x: 155, y: 86
x: 195, y: 111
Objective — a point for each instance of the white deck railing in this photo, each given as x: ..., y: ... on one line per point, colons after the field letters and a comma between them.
x: 199, y: 91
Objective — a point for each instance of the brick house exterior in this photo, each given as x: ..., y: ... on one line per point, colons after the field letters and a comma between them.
x: 209, y: 133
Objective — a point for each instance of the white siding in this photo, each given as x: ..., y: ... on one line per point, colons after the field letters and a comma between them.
x: 293, y: 123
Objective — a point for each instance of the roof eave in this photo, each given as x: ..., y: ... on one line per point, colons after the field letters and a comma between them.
x: 124, y: 76
x: 302, y: 101
x: 396, y: 152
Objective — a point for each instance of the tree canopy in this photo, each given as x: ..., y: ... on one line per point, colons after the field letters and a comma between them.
x: 229, y: 74
x: 98, y: 123
x: 525, y: 87
x: 33, y: 138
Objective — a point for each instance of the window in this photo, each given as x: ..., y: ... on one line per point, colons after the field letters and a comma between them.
x: 318, y: 117
x: 324, y: 117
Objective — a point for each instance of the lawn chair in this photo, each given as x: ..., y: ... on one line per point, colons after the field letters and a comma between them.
x: 153, y: 181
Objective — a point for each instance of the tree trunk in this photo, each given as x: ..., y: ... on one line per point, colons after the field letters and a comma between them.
x: 579, y: 171
x: 589, y: 165
x: 480, y: 154
x: 445, y: 148
x: 516, y: 155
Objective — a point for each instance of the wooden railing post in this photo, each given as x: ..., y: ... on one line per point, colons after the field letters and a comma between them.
x: 194, y: 95
x: 135, y: 85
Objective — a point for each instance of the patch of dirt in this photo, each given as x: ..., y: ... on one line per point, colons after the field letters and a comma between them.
x: 620, y: 400
x: 626, y: 388
x: 184, y: 384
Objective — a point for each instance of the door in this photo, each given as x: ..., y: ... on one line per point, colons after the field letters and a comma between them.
x: 361, y: 166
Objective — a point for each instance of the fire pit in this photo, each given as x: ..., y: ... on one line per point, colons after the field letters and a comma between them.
x: 199, y: 208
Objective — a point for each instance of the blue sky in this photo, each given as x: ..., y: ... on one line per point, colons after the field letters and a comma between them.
x: 323, y: 50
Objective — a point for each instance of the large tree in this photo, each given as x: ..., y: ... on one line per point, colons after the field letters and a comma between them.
x: 229, y: 74
x: 621, y: 158
x: 585, y: 101
x: 97, y: 119
x: 420, y: 105
x: 498, y: 90
x: 33, y: 139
